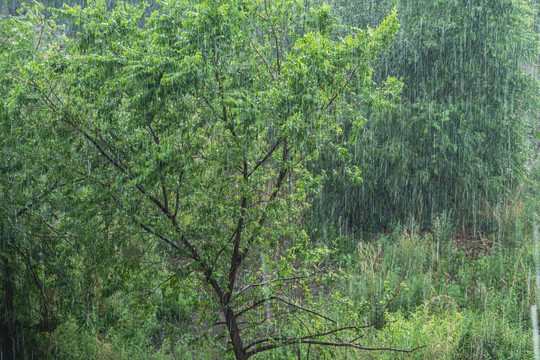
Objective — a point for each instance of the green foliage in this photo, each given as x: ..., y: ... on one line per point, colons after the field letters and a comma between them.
x: 460, y: 307
x: 439, y: 331
x: 194, y: 129
x: 156, y: 170
x: 456, y: 142
x: 490, y: 336
x: 28, y: 285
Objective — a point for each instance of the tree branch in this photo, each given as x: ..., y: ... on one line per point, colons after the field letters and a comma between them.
x: 266, y: 157
x: 275, y: 37
x: 43, y: 25
x: 333, y: 98
x: 150, y: 231
x: 221, y: 89
x: 211, y: 107
x: 262, y: 301
x: 264, y: 61
x: 45, y: 193
x: 180, y: 176
x: 344, y: 328
x: 329, y: 343
x: 279, y: 183
x: 268, y: 282
x: 153, y: 134
x: 235, y: 258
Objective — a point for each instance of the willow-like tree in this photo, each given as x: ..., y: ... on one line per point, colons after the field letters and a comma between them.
x: 196, y: 129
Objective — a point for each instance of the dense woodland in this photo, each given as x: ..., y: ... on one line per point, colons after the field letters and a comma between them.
x: 269, y: 179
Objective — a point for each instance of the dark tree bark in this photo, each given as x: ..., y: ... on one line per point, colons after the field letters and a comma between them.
x: 8, y: 339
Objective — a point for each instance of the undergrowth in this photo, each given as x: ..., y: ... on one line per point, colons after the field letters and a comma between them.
x: 457, y: 293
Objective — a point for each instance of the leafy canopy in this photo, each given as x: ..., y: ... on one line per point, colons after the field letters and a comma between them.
x: 197, y: 129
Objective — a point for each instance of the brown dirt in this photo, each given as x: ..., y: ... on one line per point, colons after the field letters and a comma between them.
x: 473, y: 244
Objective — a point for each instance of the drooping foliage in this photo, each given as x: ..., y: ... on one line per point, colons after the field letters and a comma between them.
x: 456, y: 143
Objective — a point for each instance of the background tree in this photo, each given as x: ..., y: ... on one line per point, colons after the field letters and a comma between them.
x: 456, y: 144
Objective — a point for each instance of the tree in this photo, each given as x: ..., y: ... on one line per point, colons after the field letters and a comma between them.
x: 456, y: 144
x: 197, y: 129
x: 24, y: 188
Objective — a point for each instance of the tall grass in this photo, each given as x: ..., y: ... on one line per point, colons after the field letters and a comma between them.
x: 465, y: 296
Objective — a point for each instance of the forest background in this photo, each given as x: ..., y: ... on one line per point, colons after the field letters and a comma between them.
x: 286, y: 179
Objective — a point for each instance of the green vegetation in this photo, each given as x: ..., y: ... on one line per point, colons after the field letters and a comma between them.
x: 454, y: 144
x: 269, y: 179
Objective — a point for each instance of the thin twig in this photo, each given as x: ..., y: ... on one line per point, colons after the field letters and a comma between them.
x: 262, y: 301
x: 268, y: 154
x: 264, y: 60
x: 268, y: 282
x: 333, y: 98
